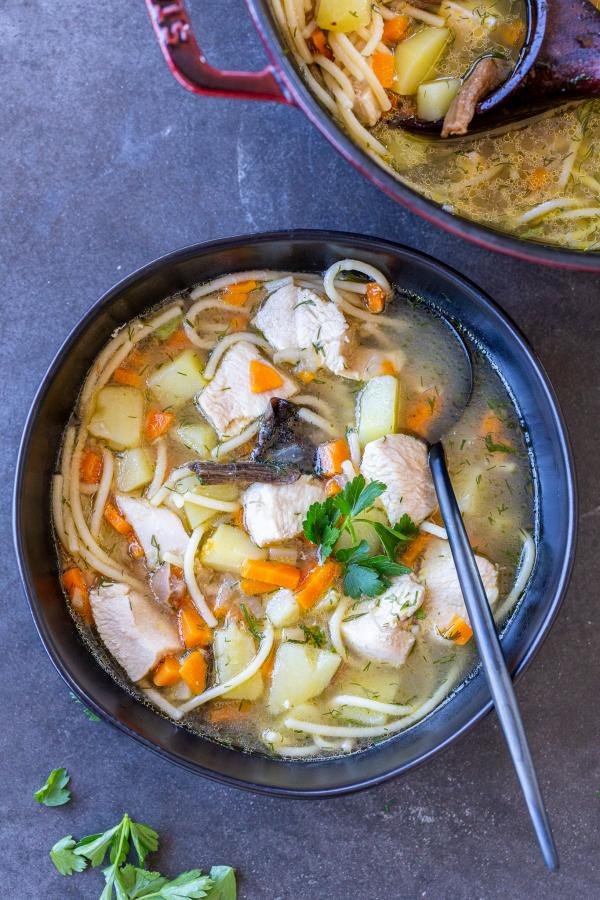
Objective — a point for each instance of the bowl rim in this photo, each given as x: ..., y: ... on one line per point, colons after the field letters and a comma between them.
x: 369, y: 243
x: 476, y: 233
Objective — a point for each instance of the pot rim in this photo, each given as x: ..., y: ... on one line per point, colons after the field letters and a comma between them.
x: 474, y: 232
x: 101, y: 306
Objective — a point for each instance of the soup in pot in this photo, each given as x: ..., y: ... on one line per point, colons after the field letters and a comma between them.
x: 247, y: 529
x: 370, y: 64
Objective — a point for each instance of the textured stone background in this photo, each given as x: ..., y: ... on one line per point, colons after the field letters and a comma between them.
x: 105, y: 163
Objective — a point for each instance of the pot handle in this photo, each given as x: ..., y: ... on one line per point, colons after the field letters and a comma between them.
x: 188, y: 64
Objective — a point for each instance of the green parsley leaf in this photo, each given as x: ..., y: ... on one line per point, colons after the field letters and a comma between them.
x: 401, y: 533
x: 54, y: 791
x: 367, y: 575
x: 492, y: 447
x: 88, y: 713
x: 358, y: 496
x: 359, y: 581
x: 224, y: 886
x: 145, y: 840
x: 64, y: 858
x: 320, y: 526
x: 140, y: 883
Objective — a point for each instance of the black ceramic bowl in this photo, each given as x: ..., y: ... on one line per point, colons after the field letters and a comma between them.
x: 555, y: 497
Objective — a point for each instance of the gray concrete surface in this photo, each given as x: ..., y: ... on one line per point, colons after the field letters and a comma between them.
x: 105, y: 163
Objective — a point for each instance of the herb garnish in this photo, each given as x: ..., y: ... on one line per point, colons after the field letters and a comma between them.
x: 54, y: 792
x: 314, y: 635
x: 252, y: 623
x: 492, y: 447
x: 326, y: 522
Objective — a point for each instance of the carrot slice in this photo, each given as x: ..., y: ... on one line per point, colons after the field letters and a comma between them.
x: 263, y: 377
x: 272, y: 573
x: 388, y: 367
x: 90, y: 470
x: 458, y: 631
x: 317, y: 583
x: 254, y: 588
x: 166, y: 672
x: 237, y: 294
x: 419, y: 415
x: 375, y: 295
x: 76, y: 587
x: 395, y: 29
x: 135, y: 549
x: 228, y: 711
x: 333, y: 487
x: 158, y: 423
x: 178, y: 340
x: 194, y: 630
x: 319, y: 42
x: 194, y: 670
x: 384, y: 68
x: 331, y: 456
x: 415, y: 548
x: 237, y: 323
x: 114, y: 518
x: 124, y: 376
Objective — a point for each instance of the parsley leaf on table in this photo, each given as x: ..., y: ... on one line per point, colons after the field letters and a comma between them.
x: 140, y: 883
x: 64, y: 859
x: 224, y: 886
x: 54, y: 792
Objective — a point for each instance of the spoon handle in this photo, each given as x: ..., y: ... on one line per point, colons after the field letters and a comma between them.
x: 490, y: 651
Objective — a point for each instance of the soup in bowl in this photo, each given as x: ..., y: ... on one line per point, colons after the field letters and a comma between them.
x: 246, y: 530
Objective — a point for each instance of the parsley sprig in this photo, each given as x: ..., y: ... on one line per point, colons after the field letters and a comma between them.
x: 126, y: 881
x: 364, y: 573
x: 54, y: 792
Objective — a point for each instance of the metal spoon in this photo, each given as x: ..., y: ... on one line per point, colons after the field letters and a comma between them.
x: 480, y: 614
x: 559, y: 63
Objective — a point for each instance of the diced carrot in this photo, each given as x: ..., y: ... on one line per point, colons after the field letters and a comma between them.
x: 458, y: 631
x: 263, y: 377
x: 267, y: 667
x: 388, y: 367
x: 319, y: 42
x: 238, y: 517
x: 375, y: 297
x: 228, y: 711
x: 194, y: 630
x: 124, y: 376
x: 333, y: 487
x: 512, y: 33
x: 136, y: 358
x: 539, y: 178
x: 492, y: 425
x: 76, y: 587
x: 415, y: 549
x: 316, y: 583
x: 114, y: 518
x: 158, y: 423
x: 395, y: 29
x: 237, y: 323
x: 135, y: 549
x: 177, y: 340
x: 274, y: 573
x: 194, y: 670
x: 254, y: 588
x: 90, y: 470
x: 166, y: 672
x: 385, y: 71
x: 419, y: 415
x: 237, y: 294
x: 331, y: 456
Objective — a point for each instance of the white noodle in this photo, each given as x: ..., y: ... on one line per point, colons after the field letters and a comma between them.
x: 335, y: 627
x: 349, y: 470
x: 226, y: 342
x: 525, y: 569
x: 57, y: 511
x: 164, y: 705
x: 295, y: 21
x: 160, y: 467
x: 374, y: 37
x: 339, y: 77
x: 286, y: 555
x: 228, y: 506
x: 354, y: 446
x: 435, y: 530
x: 542, y: 209
x: 241, y: 678
x: 358, y: 66
x: 313, y: 419
x: 88, y: 490
x: 314, y: 403
x: 423, y: 16
x: 235, y: 442
x: 391, y: 709
x: 296, y: 752
x: 217, y: 284
x: 103, y: 491
x: 190, y: 578
x: 353, y: 265
x: 163, y: 492
x: 588, y: 212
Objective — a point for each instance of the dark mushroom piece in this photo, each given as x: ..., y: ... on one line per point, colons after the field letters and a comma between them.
x: 283, y: 441
x: 245, y: 471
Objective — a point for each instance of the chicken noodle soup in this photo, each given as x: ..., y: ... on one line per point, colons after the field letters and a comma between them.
x: 247, y: 528
x: 372, y: 65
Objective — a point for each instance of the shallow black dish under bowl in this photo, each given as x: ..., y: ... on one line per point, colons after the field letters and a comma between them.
x: 304, y: 251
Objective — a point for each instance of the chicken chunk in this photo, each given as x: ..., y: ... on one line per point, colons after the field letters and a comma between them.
x: 366, y: 108
x: 157, y: 529
x: 275, y: 512
x: 443, y: 596
x: 297, y: 318
x: 400, y: 462
x: 227, y: 401
x: 133, y: 627
x: 382, y: 633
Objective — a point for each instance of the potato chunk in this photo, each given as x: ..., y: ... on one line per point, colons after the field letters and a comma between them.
x: 300, y: 673
x: 234, y: 649
x: 118, y: 417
